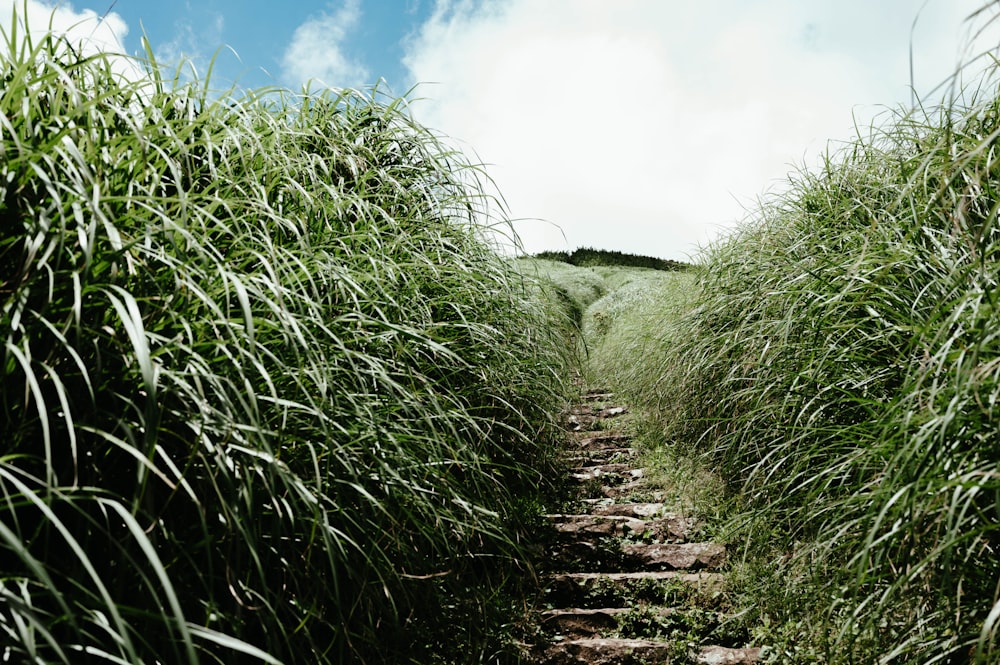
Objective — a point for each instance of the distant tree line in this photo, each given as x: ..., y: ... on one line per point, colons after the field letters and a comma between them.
x: 587, y: 256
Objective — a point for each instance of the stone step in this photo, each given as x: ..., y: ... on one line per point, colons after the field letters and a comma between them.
x: 669, y: 527
x: 600, y: 457
x: 665, y: 587
x: 606, y: 651
x: 581, y: 423
x: 586, y: 418
x: 582, y: 622
x: 727, y: 656
x: 675, y: 556
x: 591, y: 441
x: 627, y: 489
x: 598, y: 396
x: 606, y: 555
x: 609, y: 507
x: 623, y: 651
x: 597, y: 411
x: 599, y: 469
x: 611, y: 411
x: 612, y: 474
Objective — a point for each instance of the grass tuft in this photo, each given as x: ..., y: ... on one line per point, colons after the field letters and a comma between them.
x: 840, y: 365
x: 268, y: 391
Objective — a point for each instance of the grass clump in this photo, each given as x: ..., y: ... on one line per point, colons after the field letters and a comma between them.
x: 842, y: 365
x: 268, y: 391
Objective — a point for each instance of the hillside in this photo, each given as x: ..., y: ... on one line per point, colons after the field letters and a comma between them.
x: 835, y: 361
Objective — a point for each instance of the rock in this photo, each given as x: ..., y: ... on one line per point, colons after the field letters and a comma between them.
x: 611, y: 412
x: 674, y: 525
x: 623, y: 489
x: 669, y: 527
x: 602, y: 456
x: 579, y: 622
x: 601, y: 441
x: 611, y: 473
x: 606, y: 588
x: 614, y: 455
x: 604, y: 507
x: 724, y: 656
x: 676, y: 556
x: 598, y: 651
x: 579, y: 423
x: 598, y: 525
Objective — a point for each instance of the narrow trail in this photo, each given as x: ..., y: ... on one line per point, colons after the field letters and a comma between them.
x: 625, y: 581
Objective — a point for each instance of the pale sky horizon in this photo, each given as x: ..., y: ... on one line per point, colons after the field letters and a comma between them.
x: 644, y: 126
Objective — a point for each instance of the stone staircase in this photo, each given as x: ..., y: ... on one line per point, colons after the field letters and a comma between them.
x: 625, y: 581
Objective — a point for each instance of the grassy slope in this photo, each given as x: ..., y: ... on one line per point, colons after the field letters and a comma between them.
x: 840, y: 363
x: 625, y: 316
x: 266, y: 387
x: 623, y: 331
x: 837, y: 360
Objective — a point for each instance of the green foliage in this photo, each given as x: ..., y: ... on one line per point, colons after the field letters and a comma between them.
x: 628, y: 316
x: 267, y: 390
x: 683, y: 629
x: 629, y: 324
x: 564, y: 287
x: 841, y: 365
x: 589, y: 257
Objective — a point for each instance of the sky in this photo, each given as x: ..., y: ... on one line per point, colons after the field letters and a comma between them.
x: 643, y: 126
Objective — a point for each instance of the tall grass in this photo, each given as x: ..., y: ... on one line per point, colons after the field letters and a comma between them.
x: 566, y: 289
x: 617, y: 312
x: 842, y: 367
x: 268, y: 394
x: 625, y: 315
x: 629, y: 324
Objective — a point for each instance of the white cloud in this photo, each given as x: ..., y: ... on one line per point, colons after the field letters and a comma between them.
x: 316, y: 52
x: 87, y: 30
x: 92, y: 31
x: 647, y: 126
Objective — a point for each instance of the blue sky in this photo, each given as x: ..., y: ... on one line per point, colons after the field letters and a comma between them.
x: 647, y: 126
x: 251, y: 39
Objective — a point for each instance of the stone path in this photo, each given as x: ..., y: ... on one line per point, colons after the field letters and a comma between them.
x: 626, y: 582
